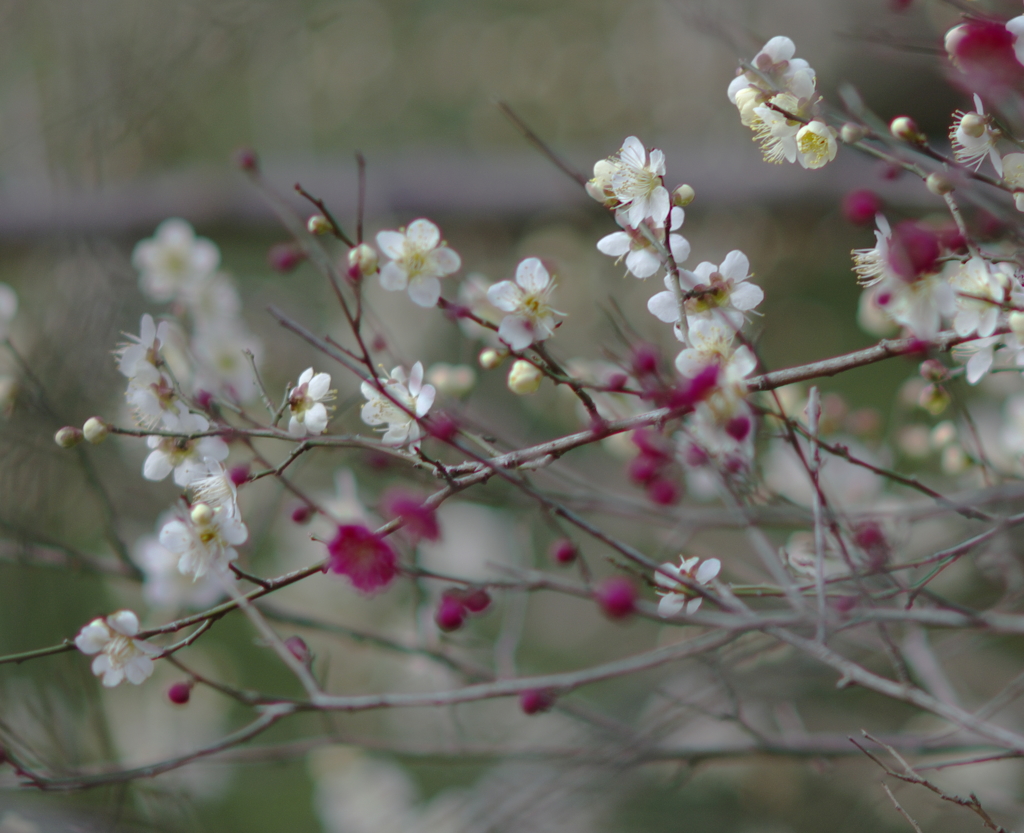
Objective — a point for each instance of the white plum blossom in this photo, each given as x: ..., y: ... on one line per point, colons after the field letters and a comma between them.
x: 163, y: 585
x: 400, y: 406
x: 638, y: 183
x: 676, y: 597
x: 530, y: 318
x: 173, y: 261
x: 185, y: 457
x: 204, y: 540
x: 309, y: 414
x: 711, y: 343
x: 642, y: 257
x: 981, y: 288
x: 418, y: 259
x: 872, y: 265
x: 978, y: 355
x: 141, y: 356
x: 920, y: 305
x: 220, y: 357
x: 150, y: 392
x: 776, y: 65
x: 1015, y: 26
x: 816, y: 144
x: 973, y: 138
x: 775, y: 131
x: 215, y: 488
x: 119, y: 655
x: 720, y: 291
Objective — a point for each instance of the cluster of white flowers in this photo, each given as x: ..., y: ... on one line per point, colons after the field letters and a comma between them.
x: 915, y: 287
x: 632, y: 183
x: 176, y: 266
x: 776, y: 99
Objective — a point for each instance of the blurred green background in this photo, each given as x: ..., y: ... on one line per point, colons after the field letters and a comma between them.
x: 116, y: 114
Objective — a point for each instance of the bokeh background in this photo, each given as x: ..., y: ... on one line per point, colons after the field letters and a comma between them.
x: 115, y: 115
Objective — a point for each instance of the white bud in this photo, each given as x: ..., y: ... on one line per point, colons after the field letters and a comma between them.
x: 318, y: 224
x: 939, y: 184
x: 1017, y: 324
x: 954, y: 460
x: 683, y: 195
x: 201, y: 514
x: 974, y: 125
x: 905, y: 128
x: 68, y: 436
x: 363, y: 258
x: 490, y: 358
x: 852, y: 133
x: 95, y: 430
x: 524, y: 378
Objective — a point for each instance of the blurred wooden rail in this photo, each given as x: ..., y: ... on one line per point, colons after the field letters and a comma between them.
x: 434, y: 183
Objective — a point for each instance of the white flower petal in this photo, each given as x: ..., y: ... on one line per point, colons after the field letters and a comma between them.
x: 424, y: 291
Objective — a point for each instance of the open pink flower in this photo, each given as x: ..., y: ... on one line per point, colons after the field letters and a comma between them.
x: 363, y: 556
x: 420, y: 520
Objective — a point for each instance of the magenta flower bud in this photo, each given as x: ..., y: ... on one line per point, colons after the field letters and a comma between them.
x: 536, y: 700
x: 476, y: 601
x: 563, y: 551
x: 298, y: 648
x: 365, y: 557
x: 179, y: 693
x: 442, y: 426
x: 246, y: 159
x: 861, y: 206
x: 983, y: 51
x: 644, y: 468
x: 663, y: 492
x: 739, y: 427
x: 420, y: 520
x: 285, y: 257
x: 204, y: 399
x: 617, y: 381
x: 301, y: 514
x: 913, y: 250
x: 450, y: 614
x: 239, y: 474
x: 844, y: 604
x: 645, y: 359
x: 616, y: 597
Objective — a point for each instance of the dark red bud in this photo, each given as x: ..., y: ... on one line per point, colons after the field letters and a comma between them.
x: 563, y: 551
x: 179, y: 693
x: 450, y: 614
x: 284, y: 257
x: 536, y: 700
x: 476, y: 601
x: 239, y: 474
x: 616, y: 597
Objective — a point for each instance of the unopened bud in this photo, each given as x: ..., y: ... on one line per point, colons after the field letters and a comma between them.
x: 1017, y: 324
x: 490, y: 358
x: 95, y: 430
x: 318, y: 224
x: 524, y: 378
x: 974, y: 124
x: 683, y: 195
x: 905, y: 128
x: 246, y: 159
x: 933, y: 370
x: 934, y: 399
x: 68, y: 436
x: 362, y: 261
x: 852, y: 133
x: 938, y: 184
x: 201, y: 514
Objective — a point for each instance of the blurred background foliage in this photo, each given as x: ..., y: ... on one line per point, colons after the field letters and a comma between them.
x: 115, y: 114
